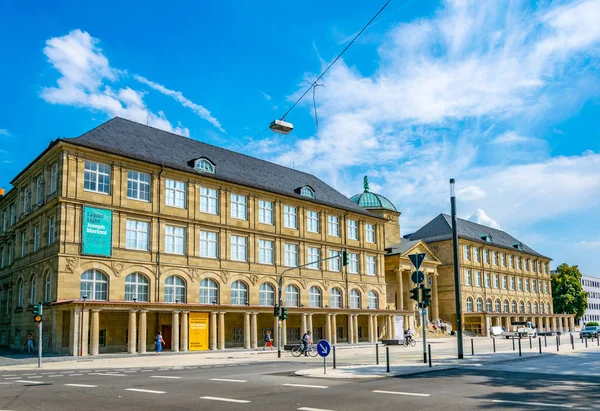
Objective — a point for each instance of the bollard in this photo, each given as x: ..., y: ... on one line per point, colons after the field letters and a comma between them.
x: 429, y: 353
x: 572, y: 342
x: 494, y: 343
x: 377, y: 353
x: 513, y: 343
x: 598, y: 340
x: 545, y: 342
x: 334, y: 364
x: 472, y: 348
x: 540, y: 344
x: 530, y: 346
x: 557, y: 345
x: 520, y: 354
x: 586, y: 342
x: 387, y: 358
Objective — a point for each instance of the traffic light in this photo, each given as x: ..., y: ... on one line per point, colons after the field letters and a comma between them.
x: 284, y: 313
x: 37, y: 313
x: 426, y: 297
x: 345, y: 258
x: 415, y: 295
x: 276, y: 311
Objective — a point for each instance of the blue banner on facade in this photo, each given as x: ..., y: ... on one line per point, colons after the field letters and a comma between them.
x: 97, y: 231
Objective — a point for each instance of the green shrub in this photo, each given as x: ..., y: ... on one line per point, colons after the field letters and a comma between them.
x: 592, y: 323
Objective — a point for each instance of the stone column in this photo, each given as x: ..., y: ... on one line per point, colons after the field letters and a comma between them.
x: 388, y: 328
x: 334, y: 328
x: 507, y: 323
x: 213, y: 331
x: 254, y: 335
x: 74, y: 324
x: 275, y: 332
x: 175, y: 331
x: 371, y: 331
x: 95, y: 332
x: 246, y: 330
x: 350, y: 329
x: 554, y: 324
x: 310, y: 323
x: 328, y: 327
x: 400, y: 289
x: 132, y: 332
x: 221, y: 340
x: 143, y: 330
x: 303, y: 326
x: 284, y: 333
x: 393, y: 322
x: 572, y: 324
x: 184, y: 331
x: 486, y: 326
x: 356, y: 340
x: 84, y: 342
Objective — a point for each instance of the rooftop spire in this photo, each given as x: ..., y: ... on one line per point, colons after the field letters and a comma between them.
x: 366, y: 183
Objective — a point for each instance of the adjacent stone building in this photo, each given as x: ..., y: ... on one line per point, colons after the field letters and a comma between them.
x: 592, y: 286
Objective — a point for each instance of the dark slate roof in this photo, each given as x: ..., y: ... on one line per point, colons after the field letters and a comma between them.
x: 440, y: 228
x: 137, y: 141
x: 400, y: 248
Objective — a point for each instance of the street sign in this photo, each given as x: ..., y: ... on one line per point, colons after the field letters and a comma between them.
x: 417, y: 277
x: 417, y: 259
x: 323, y: 348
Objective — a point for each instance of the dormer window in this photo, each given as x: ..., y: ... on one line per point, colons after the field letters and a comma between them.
x: 486, y: 238
x: 307, y: 192
x: 204, y: 165
x: 518, y: 246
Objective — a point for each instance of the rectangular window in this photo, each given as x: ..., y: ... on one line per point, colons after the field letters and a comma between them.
x: 265, y: 252
x: 476, y: 254
x: 137, y: 235
x: 312, y: 221
x: 13, y: 214
x: 520, y: 284
x: 174, y: 240
x: 519, y: 263
x: 526, y: 264
x: 478, y: 279
x: 487, y: 280
x: 4, y: 221
x: 540, y: 287
x: 39, y: 191
x: 239, y: 247
x: 503, y: 260
x: 138, y: 186
x: 495, y: 257
x: 526, y: 285
x: 238, y: 206
x: 546, y: 288
x: 353, y: 263
x: 290, y: 255
x: 334, y: 263
x: 1, y: 257
x: 36, y: 238
x: 333, y: 225
x: 208, y: 200
x: 26, y: 200
x: 496, y: 281
x: 511, y: 261
x: 290, y: 217
x: 23, y: 243
x: 369, y: 233
x: 371, y: 265
x: 209, y: 244
x: 51, y: 228
x: 468, y: 277
x: 314, y: 254
x: 486, y: 256
x: 265, y: 212
x: 96, y: 177
x: 175, y: 193
x: 10, y: 254
x: 53, y: 178
x: 352, y: 229
x: 512, y: 283
x: 533, y: 286
x: 467, y: 253
x: 504, y: 282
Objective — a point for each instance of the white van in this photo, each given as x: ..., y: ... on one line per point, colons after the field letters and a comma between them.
x: 496, y: 331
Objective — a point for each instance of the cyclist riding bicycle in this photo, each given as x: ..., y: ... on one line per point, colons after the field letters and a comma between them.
x: 305, y: 342
x: 408, y: 335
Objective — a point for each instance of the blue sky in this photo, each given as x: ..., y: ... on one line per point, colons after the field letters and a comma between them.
x: 503, y: 96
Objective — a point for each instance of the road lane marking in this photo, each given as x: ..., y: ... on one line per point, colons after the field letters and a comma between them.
x: 9, y: 375
x: 225, y: 400
x: 312, y: 409
x: 30, y: 382
x: 37, y: 376
x: 227, y: 380
x: 12, y: 378
x: 35, y: 373
x: 111, y: 374
x: 306, y: 386
x: 74, y: 375
x: 56, y: 375
x: 165, y: 376
x: 81, y: 385
x: 542, y: 404
x: 146, y: 391
x: 415, y: 394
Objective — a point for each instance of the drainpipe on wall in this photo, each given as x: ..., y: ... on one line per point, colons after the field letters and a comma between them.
x: 157, y: 297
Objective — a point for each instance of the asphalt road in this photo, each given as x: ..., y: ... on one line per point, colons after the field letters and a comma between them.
x: 272, y: 386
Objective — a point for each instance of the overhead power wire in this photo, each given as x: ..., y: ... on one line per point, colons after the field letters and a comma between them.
x: 252, y: 139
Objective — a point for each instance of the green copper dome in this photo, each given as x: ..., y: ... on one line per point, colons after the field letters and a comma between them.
x: 369, y: 200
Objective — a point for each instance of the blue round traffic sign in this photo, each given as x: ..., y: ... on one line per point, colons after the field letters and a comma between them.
x: 323, y: 348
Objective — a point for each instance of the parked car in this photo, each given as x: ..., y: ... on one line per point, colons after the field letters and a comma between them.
x: 496, y: 331
x: 591, y: 331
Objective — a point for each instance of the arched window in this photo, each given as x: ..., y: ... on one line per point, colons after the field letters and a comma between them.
x: 354, y: 299
x: 203, y: 164
x: 535, y: 307
x: 209, y: 291
x: 541, y: 308
x: 292, y: 296
x: 307, y: 191
x: 479, y: 304
x: 488, y: 305
x: 498, y: 307
x: 314, y: 297
x: 239, y: 293
x: 267, y: 294
x: 514, y: 306
x: 469, y: 305
x: 528, y: 307
x: 548, y: 311
x: 94, y: 285
x: 20, y: 293
x: 522, y: 307
x: 48, y: 288
x: 373, y: 300
x: 33, y: 289
x: 506, y: 306
x: 137, y: 287
x: 175, y: 290
x: 335, y: 298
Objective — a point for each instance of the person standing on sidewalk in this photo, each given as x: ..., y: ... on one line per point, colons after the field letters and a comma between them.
x: 268, y: 342
x: 30, y: 346
x: 159, y: 342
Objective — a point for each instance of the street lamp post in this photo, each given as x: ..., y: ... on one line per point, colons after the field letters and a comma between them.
x: 456, y: 273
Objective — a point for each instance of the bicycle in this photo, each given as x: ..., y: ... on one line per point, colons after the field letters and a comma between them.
x: 412, y: 342
x: 297, y: 351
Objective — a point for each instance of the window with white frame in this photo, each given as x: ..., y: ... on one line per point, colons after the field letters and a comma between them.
x: 540, y: 286
x: 32, y: 290
x: 174, y: 240
x: 478, y: 278
x: 51, y: 229
x: 292, y: 296
x: 13, y: 214
x: 39, y: 192
x: 312, y: 221
x: 353, y: 263
x: 506, y: 306
x: 266, y: 294
x: 4, y: 220
x: 486, y: 256
x: 10, y: 254
x: 239, y: 247
x: 314, y: 297
x: 48, y: 288
x: 487, y: 280
x: 209, y: 291
x: 138, y: 185
x: 503, y: 259
x: 53, y: 178
x: 476, y: 254
x: 546, y: 288
x: 488, y: 305
x: 533, y: 286
x: 373, y: 300
x: 265, y: 252
x: 175, y: 290
x: 468, y: 277
x: 314, y: 255
x: 512, y: 283
x: 498, y: 306
x: 479, y: 304
x: 511, y: 261
x: 239, y: 206
x: 525, y: 264
x: 354, y: 299
x: 23, y: 242
x: 519, y: 263
x: 504, y: 282
x: 204, y: 165
x: 469, y: 305
x: 1, y: 257
x: 334, y: 263
x: 290, y: 217
x: 307, y: 192
x: 96, y: 177
x: 290, y: 255
x: 94, y: 285
x: 208, y: 200
x: 520, y: 284
x: 353, y: 229
x: 175, y: 193
x: 369, y: 233
x: 239, y: 293
x: 209, y: 244
x: 495, y: 257
x: 36, y: 238
x: 526, y: 285
x: 335, y: 298
x: 265, y: 212
x: 137, y: 235
x: 466, y: 253
x: 371, y: 265
x: 20, y: 293
x: 496, y: 281
x: 137, y: 287
x: 27, y: 200
x: 333, y: 225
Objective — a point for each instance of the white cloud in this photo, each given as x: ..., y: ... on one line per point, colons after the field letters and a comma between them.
x: 265, y: 95
x: 510, y: 137
x: 480, y: 217
x: 589, y: 244
x: 4, y: 132
x: 471, y: 193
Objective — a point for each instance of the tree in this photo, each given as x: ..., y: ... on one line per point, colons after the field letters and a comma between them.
x: 567, y: 293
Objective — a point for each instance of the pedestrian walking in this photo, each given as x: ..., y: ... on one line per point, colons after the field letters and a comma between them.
x: 268, y: 341
x: 159, y: 342
x: 30, y: 349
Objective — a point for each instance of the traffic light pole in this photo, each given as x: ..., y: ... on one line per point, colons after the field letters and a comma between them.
x: 457, y: 297
x: 40, y: 339
x: 422, y: 304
